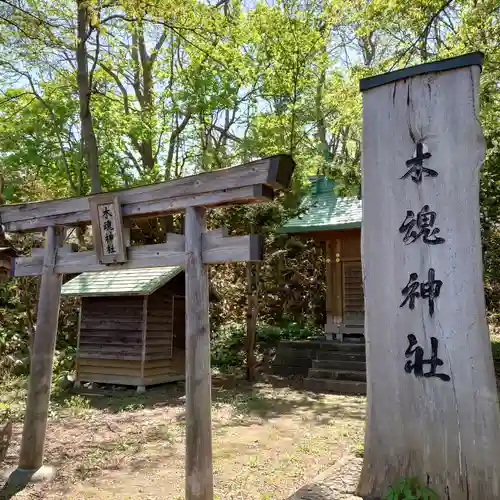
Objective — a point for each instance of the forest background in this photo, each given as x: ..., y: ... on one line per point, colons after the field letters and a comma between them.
x: 100, y: 95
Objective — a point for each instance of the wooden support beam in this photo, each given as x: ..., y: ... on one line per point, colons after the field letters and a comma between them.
x: 338, y: 299
x: 330, y: 326
x: 37, y: 406
x: 220, y: 250
x: 216, y: 249
x: 199, y: 476
x: 252, y: 182
x: 28, y: 217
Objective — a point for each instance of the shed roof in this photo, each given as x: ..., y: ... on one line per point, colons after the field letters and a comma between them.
x: 325, y: 211
x: 120, y: 282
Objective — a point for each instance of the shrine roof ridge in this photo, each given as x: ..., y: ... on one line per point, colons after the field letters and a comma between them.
x: 324, y: 210
x: 471, y: 59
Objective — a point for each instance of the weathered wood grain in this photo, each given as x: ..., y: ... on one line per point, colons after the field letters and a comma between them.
x: 109, y: 323
x: 248, y: 248
x: 120, y: 254
x: 159, y: 337
x: 216, y: 250
x: 144, y: 331
x: 119, y: 356
x: 126, y: 369
x: 37, y: 405
x: 77, y: 378
x: 101, y: 378
x: 199, y: 477
x: 338, y: 302
x: 252, y: 182
x: 447, y: 433
x: 110, y: 363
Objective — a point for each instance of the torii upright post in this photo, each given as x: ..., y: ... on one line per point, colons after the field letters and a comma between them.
x: 35, y: 423
x: 199, y: 476
x: 432, y: 397
x: 254, y: 182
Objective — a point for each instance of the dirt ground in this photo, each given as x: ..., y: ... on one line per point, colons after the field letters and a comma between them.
x: 268, y: 441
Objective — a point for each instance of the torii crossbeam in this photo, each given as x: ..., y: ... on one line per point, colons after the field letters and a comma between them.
x: 253, y: 182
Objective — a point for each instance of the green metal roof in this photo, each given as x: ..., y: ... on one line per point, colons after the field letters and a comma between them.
x: 325, y: 211
x: 120, y: 282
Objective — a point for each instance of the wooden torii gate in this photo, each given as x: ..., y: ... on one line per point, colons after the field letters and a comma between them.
x: 253, y: 182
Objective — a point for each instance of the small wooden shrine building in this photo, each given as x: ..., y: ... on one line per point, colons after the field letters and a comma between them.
x: 132, y: 326
x: 335, y: 221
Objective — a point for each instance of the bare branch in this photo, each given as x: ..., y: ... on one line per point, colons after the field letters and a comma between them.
x: 30, y: 14
x: 9, y: 99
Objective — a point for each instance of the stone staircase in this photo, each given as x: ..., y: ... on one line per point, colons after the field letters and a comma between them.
x: 327, y: 366
x: 339, y: 368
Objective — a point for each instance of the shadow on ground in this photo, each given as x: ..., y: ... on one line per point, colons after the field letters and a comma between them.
x: 312, y: 492
x: 16, y: 481
x: 269, y: 397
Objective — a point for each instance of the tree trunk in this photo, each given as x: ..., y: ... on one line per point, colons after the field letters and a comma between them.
x: 84, y: 92
x: 432, y: 397
x: 144, y: 91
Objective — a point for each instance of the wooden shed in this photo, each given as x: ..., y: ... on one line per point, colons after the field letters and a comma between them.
x: 131, y: 327
x: 336, y: 221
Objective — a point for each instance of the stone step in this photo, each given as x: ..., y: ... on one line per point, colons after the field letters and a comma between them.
x: 341, y: 356
x: 290, y: 370
x: 332, y: 364
x: 335, y: 386
x: 357, y: 376
x: 330, y: 345
x: 343, y: 346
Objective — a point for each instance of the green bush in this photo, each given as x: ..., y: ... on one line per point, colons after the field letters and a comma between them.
x: 495, y: 348
x: 5, y: 413
x: 227, y: 345
x: 410, y: 489
x: 228, y: 340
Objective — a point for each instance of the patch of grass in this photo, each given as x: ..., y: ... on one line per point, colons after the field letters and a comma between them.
x: 13, y: 394
x: 305, y: 448
x: 162, y: 432
x: 108, y: 455
x: 253, y: 462
x: 77, y: 405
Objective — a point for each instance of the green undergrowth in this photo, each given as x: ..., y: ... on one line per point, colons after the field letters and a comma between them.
x: 229, y: 340
x: 13, y: 392
x: 495, y: 349
x: 409, y: 488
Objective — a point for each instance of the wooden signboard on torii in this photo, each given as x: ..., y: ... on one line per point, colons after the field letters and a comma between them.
x: 253, y: 182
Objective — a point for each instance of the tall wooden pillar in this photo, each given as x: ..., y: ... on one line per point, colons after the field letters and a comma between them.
x: 42, y: 356
x: 334, y: 294
x: 432, y: 396
x: 330, y: 328
x: 338, y: 303
x: 199, y: 478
